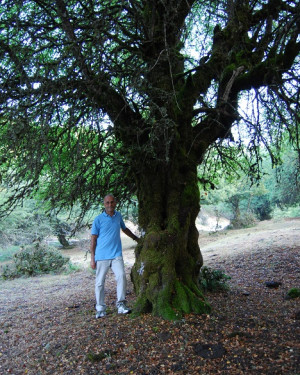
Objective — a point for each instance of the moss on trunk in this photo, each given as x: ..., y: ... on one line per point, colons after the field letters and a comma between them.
x: 168, y: 258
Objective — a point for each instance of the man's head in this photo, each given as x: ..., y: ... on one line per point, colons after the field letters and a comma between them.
x: 110, y: 204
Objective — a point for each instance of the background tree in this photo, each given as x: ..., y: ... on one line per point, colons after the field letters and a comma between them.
x: 169, y: 76
x: 232, y: 193
x: 284, y: 182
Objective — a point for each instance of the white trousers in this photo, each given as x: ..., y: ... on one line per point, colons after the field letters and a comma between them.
x: 117, y: 266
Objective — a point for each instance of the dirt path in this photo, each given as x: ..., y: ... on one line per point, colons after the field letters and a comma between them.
x: 267, y: 234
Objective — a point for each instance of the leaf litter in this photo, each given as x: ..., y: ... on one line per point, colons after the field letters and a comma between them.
x: 48, y: 323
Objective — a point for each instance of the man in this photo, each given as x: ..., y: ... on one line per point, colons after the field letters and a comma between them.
x: 106, y: 252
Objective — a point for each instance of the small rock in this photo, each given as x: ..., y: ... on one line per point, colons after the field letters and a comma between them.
x: 73, y: 307
x: 273, y: 284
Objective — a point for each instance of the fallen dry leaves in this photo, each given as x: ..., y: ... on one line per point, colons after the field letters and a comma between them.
x: 48, y: 327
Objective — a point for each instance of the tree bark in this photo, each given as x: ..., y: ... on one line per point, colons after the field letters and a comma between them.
x: 62, y: 240
x: 168, y: 258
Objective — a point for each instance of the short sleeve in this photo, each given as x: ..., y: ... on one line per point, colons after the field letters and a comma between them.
x: 122, y: 224
x: 95, y: 228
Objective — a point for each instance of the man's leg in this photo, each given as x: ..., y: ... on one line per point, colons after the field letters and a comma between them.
x: 119, y: 271
x: 101, y: 271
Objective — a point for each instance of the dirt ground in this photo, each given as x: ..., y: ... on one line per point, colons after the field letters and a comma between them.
x: 47, y: 323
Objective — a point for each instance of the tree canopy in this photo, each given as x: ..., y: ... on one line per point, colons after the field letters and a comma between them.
x: 128, y: 96
x: 148, y: 66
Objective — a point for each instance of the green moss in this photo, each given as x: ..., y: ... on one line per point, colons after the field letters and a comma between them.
x: 155, y: 238
x: 191, y: 192
x: 227, y: 73
x: 173, y: 223
x: 199, y: 306
x: 241, y: 59
x: 197, y: 291
x: 163, y: 306
x: 154, y: 282
x: 187, y: 301
x: 168, y: 303
x: 181, y: 300
x: 196, y: 303
x: 168, y: 313
x: 293, y: 293
x: 142, y: 305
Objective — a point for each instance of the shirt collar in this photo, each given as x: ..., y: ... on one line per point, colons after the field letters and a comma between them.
x: 109, y: 215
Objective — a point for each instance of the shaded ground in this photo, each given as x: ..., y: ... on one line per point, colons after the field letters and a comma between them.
x: 47, y: 324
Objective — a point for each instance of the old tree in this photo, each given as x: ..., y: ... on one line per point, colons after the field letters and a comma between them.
x: 128, y: 96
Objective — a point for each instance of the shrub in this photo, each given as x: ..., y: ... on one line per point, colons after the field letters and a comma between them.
x: 246, y: 220
x: 33, y: 260
x: 8, y: 272
x: 211, y: 280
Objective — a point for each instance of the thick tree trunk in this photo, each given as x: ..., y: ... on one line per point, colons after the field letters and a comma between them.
x: 168, y: 258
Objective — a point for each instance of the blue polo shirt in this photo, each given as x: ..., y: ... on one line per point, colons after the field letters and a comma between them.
x: 107, y: 228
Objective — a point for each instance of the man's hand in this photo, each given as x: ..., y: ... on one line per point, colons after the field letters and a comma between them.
x: 93, y: 249
x: 93, y: 264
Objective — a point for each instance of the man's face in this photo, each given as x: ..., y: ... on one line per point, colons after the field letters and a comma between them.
x: 110, y: 205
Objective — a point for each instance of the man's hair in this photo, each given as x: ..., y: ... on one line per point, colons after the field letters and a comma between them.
x: 109, y: 195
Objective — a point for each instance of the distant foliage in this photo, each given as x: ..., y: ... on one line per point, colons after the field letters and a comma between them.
x: 34, y: 260
x: 211, y: 280
x: 130, y: 211
x: 284, y: 182
x: 24, y: 225
x: 244, y: 201
x: 30, y: 221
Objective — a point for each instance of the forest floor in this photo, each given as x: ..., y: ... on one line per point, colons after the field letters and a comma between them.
x: 48, y: 325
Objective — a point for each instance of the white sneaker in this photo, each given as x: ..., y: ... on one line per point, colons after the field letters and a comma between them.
x: 100, y: 314
x: 122, y: 309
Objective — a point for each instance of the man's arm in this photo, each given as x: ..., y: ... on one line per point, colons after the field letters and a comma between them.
x: 128, y: 232
x: 93, y: 249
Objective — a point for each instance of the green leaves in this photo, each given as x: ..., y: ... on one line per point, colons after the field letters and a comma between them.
x: 211, y: 280
x: 92, y: 91
x: 34, y: 260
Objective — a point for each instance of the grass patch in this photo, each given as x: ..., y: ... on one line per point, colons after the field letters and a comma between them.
x: 71, y: 267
